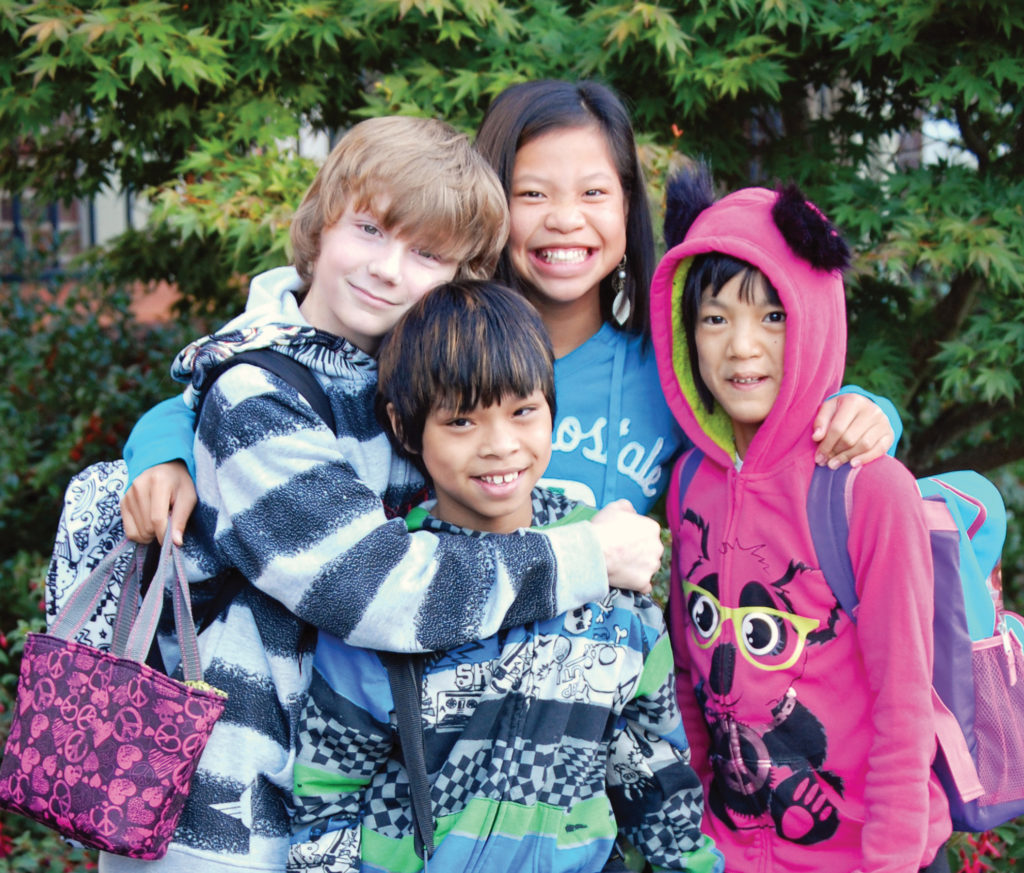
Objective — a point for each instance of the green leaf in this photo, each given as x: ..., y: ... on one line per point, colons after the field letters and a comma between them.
x: 144, y: 56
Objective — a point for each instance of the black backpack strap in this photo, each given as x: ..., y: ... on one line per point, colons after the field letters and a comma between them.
x: 288, y: 369
x: 405, y: 673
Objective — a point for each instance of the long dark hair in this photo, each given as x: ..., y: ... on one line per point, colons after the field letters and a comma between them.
x: 523, y: 112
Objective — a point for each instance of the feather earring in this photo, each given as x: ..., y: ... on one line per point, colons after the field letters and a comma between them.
x: 621, y: 306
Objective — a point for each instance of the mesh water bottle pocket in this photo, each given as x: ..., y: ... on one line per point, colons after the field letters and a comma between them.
x: 999, y: 719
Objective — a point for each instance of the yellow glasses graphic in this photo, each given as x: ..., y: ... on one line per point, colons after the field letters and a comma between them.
x: 770, y: 639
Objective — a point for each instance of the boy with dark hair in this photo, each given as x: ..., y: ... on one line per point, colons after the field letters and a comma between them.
x: 543, y: 743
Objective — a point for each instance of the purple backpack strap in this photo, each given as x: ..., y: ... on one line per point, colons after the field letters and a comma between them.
x: 687, y: 471
x: 830, y: 529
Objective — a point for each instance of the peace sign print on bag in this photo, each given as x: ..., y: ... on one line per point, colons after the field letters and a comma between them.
x: 104, y: 748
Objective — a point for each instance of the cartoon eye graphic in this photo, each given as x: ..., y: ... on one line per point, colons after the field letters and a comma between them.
x: 705, y: 615
x: 771, y: 638
x: 763, y: 634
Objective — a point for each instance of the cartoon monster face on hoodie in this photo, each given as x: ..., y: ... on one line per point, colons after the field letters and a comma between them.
x: 799, y: 252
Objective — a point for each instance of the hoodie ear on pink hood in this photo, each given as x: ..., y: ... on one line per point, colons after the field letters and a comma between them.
x: 788, y: 239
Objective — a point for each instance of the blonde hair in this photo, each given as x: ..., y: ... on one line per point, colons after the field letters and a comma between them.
x: 417, y: 176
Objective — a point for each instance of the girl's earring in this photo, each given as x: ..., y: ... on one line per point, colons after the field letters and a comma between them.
x: 621, y: 307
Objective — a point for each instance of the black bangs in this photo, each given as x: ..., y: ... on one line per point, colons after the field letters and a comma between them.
x: 487, y: 369
x: 463, y: 345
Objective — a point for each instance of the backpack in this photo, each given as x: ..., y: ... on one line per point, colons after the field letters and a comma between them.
x: 90, y: 522
x: 979, y: 701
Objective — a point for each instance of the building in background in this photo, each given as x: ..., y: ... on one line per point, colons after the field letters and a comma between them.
x: 56, y: 232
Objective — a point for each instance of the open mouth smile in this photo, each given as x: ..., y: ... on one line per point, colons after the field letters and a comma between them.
x: 563, y: 256
x: 500, y: 478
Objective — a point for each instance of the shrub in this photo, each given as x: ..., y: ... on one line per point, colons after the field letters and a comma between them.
x: 79, y: 372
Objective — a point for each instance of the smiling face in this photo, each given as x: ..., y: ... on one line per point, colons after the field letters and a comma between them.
x: 741, y: 339
x: 568, y: 226
x: 484, y: 463
x: 366, y: 277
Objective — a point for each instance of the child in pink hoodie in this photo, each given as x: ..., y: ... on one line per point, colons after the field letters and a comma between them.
x: 811, y: 733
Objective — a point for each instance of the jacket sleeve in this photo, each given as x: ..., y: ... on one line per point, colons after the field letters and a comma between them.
x: 656, y: 795
x: 281, y: 501
x: 165, y: 433
x: 886, y: 405
x: 892, y: 563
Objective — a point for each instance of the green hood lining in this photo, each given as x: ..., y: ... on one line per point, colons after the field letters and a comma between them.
x: 716, y: 424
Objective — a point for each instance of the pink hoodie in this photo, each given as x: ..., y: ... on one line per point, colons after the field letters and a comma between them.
x: 822, y: 765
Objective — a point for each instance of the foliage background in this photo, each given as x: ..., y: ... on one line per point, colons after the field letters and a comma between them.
x: 197, y: 106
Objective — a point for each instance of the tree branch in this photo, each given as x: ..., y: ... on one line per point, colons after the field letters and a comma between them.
x: 972, y: 139
x: 948, y: 316
x: 955, y: 422
x: 981, y: 458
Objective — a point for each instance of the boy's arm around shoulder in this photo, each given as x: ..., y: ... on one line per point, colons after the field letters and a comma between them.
x: 629, y: 542
x: 892, y: 564
x: 656, y: 795
x: 301, y: 524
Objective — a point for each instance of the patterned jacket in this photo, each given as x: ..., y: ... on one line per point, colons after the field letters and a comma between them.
x: 543, y: 743
x: 307, y: 518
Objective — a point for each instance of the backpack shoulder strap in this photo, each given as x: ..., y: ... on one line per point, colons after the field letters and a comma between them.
x: 405, y: 674
x: 302, y: 380
x: 830, y: 530
x: 286, y: 368
x: 677, y: 493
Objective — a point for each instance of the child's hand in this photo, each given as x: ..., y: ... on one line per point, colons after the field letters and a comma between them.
x: 631, y: 544
x: 851, y: 428
x: 163, y: 490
